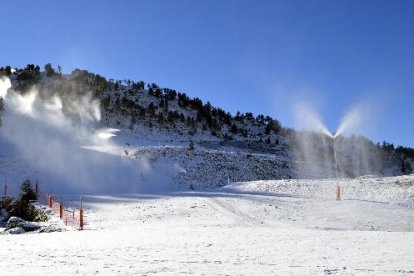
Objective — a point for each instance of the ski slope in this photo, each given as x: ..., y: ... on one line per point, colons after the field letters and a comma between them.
x: 246, y: 228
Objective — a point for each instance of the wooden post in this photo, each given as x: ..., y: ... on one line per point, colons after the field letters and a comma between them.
x: 61, y: 208
x: 81, y: 215
x: 50, y: 201
x: 338, y: 193
x: 37, y: 187
x: 81, y: 219
x: 5, y: 188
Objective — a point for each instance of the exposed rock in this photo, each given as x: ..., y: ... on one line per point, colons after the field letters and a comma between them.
x: 30, y: 226
x: 14, y: 222
x: 15, y: 231
x: 50, y: 229
x: 27, y: 226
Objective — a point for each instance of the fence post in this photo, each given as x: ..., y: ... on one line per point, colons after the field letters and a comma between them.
x: 37, y: 187
x: 81, y: 219
x: 61, y: 208
x: 81, y: 215
x: 5, y: 188
x: 338, y: 193
x: 50, y: 201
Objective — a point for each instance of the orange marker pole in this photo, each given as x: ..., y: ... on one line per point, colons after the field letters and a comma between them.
x: 338, y: 193
x: 81, y: 219
x: 61, y: 208
x: 81, y: 215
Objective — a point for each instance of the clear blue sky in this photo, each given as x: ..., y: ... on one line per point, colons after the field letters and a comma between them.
x: 253, y: 56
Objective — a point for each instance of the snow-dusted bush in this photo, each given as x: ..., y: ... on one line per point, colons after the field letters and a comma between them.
x: 26, y: 191
x: 21, y: 206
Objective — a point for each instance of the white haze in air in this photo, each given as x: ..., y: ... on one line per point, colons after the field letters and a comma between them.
x: 307, y: 119
x: 5, y: 85
x: 310, y: 143
x: 62, y: 144
x: 360, y: 119
x: 313, y: 147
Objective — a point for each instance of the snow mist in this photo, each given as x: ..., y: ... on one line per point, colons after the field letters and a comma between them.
x: 311, y: 146
x: 319, y: 153
x: 59, y: 139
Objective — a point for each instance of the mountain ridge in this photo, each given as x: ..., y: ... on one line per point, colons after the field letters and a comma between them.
x: 212, y: 145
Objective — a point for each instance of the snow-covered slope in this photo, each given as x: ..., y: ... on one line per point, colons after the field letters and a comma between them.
x: 68, y: 113
x: 213, y: 166
x: 239, y: 229
x: 393, y: 190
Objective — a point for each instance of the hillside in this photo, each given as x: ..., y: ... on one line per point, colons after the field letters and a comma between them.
x: 285, y: 226
x: 203, y: 146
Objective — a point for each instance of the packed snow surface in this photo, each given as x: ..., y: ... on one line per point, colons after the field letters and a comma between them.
x: 259, y: 228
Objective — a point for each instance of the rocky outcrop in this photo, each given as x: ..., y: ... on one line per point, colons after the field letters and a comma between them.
x: 14, y: 222
x: 15, y: 231
x: 17, y: 225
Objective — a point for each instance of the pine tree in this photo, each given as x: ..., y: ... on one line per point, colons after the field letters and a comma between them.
x: 1, y: 110
x: 132, y: 122
x: 406, y: 167
x: 191, y: 145
x: 49, y: 70
x: 26, y: 191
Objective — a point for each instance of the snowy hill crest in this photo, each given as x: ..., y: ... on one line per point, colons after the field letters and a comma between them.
x: 204, y: 142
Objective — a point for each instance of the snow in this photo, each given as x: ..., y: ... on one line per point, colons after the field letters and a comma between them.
x: 243, y: 228
x: 87, y: 157
x: 275, y: 226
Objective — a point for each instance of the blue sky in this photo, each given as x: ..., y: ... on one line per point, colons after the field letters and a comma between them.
x: 258, y: 56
